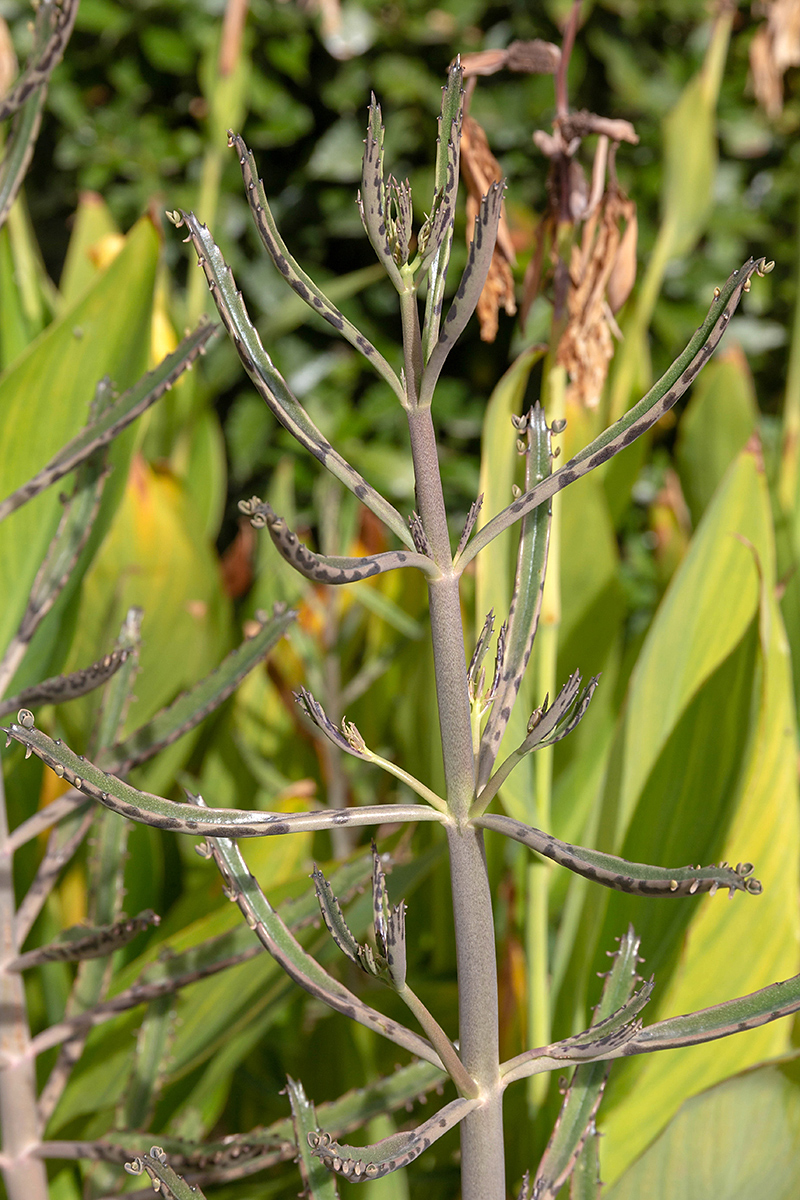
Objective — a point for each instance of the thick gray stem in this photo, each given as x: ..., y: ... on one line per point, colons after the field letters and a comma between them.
x: 25, y: 1178
x: 450, y: 666
x: 482, y: 1148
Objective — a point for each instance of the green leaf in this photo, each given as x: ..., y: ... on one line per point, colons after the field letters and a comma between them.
x: 45, y: 395
x: 739, y: 1139
x: 718, y: 420
x: 722, y: 954
x: 320, y: 1183
x: 92, y: 224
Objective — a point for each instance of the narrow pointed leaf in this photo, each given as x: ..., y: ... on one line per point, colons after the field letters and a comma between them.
x: 636, y: 878
x: 54, y: 22
x: 72, y: 534
x: 576, y: 1119
x: 119, y: 413
x: 338, y: 928
x: 436, y: 242
x: 19, y: 149
x: 269, y: 383
x: 319, y: 1183
x: 294, y: 274
x: 189, y: 709
x: 469, y: 289
x: 545, y: 729
x: 80, y: 943
x: 61, y: 688
x: 660, y: 399
x: 323, y: 568
x: 155, y: 810
x: 289, y: 954
x: 526, y: 600
x: 360, y: 1163
x: 152, y: 1054
x: 372, y: 197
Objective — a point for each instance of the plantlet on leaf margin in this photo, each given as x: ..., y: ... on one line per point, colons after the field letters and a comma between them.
x: 468, y: 751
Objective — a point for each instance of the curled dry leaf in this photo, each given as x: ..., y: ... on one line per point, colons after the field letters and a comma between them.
x: 535, y: 57
x: 602, y: 273
x: 480, y: 170
x: 775, y: 48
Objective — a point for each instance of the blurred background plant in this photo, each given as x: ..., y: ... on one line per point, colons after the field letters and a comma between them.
x: 647, y: 582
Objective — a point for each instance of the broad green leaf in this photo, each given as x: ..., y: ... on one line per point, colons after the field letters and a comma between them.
x: 702, y: 618
x: 718, y: 420
x: 728, y: 953
x: 45, y: 396
x: 739, y: 1140
x: 15, y: 333
x: 89, y: 244
x: 156, y: 557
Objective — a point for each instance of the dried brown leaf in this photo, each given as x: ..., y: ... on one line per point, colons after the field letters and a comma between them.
x: 586, y: 346
x: 535, y: 57
x: 775, y: 48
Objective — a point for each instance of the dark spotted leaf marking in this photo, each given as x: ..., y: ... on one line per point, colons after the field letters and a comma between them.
x: 338, y: 928
x: 54, y: 22
x: 319, y: 1183
x: 181, y: 818
x: 436, y: 235
x: 61, y: 688
x: 80, y: 943
x: 205, y: 697
x: 469, y: 289
x: 293, y: 273
x: 526, y: 599
x: 273, y: 934
x: 636, y: 878
x: 155, y: 1165
x: 546, y: 726
x: 576, y: 1118
x: 359, y: 1163
x: 372, y: 199
x: 323, y: 568
x: 118, y: 413
x: 661, y: 397
x: 19, y: 149
x: 269, y: 383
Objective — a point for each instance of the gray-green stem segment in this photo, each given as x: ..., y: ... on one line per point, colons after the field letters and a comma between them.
x: 482, y: 1148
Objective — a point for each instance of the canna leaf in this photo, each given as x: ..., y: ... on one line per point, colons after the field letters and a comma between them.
x: 360, y: 1163
x: 301, y: 283
x: 118, y: 413
x: 612, y: 872
x: 268, y: 381
x: 660, y: 399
